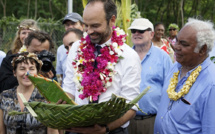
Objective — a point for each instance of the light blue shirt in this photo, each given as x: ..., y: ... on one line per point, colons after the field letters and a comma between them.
x: 212, y: 53
x: 155, y: 66
x: 177, y: 117
x: 2, y: 55
x: 61, y: 60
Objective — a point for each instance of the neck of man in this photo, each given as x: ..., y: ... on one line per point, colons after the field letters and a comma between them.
x: 142, y: 50
x: 187, y: 68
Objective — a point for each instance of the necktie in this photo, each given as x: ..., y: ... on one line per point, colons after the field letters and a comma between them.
x: 98, y: 48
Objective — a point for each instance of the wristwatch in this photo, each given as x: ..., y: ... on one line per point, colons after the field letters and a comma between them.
x: 107, y: 129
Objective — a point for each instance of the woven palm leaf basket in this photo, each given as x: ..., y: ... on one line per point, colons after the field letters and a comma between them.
x: 64, y: 116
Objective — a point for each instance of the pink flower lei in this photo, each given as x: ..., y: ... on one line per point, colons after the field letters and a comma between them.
x: 90, y: 81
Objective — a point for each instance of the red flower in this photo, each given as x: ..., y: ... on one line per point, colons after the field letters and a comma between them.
x: 92, y: 83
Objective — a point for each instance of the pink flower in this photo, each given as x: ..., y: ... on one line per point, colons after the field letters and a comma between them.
x: 92, y: 83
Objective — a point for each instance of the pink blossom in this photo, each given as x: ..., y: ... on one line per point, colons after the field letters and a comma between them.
x: 92, y: 84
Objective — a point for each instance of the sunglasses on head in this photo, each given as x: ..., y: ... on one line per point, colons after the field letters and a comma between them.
x: 172, y: 29
x: 139, y: 31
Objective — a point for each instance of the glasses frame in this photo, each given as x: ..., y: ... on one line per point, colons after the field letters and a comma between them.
x: 172, y: 29
x: 133, y: 31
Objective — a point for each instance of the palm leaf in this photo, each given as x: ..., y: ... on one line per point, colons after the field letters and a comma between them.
x: 64, y: 116
x: 50, y: 89
x: 84, y: 3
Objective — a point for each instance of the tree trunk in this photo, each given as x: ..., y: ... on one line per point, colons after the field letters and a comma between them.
x: 212, y: 13
x: 29, y: 1
x: 4, y: 6
x: 159, y: 9
x: 182, y: 13
x: 167, y: 11
x: 136, y: 1
x: 50, y: 8
x: 35, y: 13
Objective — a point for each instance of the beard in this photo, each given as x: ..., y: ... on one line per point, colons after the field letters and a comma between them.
x: 102, y: 37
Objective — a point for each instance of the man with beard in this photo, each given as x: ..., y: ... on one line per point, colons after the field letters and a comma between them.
x: 188, y: 95
x: 92, y: 75
x: 155, y: 65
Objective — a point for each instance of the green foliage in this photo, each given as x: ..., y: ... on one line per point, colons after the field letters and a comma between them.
x: 169, y: 11
x: 135, y: 13
x: 213, y: 59
x: 125, y: 17
x: 166, y: 11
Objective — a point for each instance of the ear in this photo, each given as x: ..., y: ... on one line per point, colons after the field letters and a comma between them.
x: 112, y: 21
x: 14, y: 73
x: 152, y: 34
x: 203, y: 50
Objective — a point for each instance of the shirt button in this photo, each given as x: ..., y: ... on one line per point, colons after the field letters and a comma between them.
x: 157, y: 132
x: 161, y: 117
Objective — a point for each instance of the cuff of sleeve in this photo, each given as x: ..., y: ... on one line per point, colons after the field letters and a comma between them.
x: 135, y: 108
x: 69, y: 91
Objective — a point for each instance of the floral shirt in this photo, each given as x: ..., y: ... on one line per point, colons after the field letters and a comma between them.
x: 24, y: 123
x: 172, y: 41
x: 167, y: 48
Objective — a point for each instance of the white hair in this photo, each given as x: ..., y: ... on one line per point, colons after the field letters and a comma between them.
x: 205, y: 33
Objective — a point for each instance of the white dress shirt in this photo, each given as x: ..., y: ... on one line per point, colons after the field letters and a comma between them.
x: 126, y: 82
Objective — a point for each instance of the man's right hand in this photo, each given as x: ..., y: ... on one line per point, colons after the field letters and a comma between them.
x: 61, y: 102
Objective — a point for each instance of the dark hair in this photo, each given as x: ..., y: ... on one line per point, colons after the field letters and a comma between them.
x: 158, y: 23
x: 25, y: 60
x: 109, y: 7
x: 78, y: 32
x: 41, y: 36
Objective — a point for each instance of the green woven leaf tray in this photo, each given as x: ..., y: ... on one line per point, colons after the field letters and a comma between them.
x: 50, y: 89
x: 64, y: 116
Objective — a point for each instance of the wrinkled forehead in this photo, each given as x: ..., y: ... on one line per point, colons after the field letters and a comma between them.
x: 187, y: 34
x: 187, y: 31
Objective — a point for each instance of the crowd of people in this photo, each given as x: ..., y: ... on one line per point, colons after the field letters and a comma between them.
x: 94, y: 62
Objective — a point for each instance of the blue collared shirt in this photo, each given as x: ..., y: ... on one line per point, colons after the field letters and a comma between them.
x: 212, y: 52
x: 61, y: 60
x: 177, y: 117
x: 155, y: 66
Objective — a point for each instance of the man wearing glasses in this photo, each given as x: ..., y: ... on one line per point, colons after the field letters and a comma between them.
x: 155, y: 65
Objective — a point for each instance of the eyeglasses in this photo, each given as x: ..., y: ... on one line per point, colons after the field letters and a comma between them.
x: 139, y: 31
x: 172, y: 29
